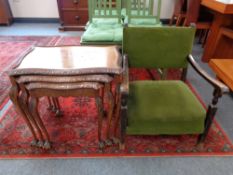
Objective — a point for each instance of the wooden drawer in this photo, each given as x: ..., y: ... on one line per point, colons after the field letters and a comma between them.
x: 73, y: 4
x: 79, y: 17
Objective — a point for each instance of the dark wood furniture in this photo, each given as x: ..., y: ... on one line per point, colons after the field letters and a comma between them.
x: 73, y: 14
x: 193, y: 16
x: 223, y: 17
x: 189, y: 11
x: 224, y: 70
x: 179, y: 13
x: 76, y: 71
x: 5, y: 12
x: 223, y: 48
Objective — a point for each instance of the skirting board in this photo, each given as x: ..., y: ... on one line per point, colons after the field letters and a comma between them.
x: 54, y: 20
x: 36, y: 20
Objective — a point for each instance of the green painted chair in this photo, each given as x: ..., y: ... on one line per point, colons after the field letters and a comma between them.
x: 144, y: 13
x: 163, y: 107
x: 105, y: 23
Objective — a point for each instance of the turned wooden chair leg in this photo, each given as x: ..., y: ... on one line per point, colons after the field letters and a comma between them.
x: 205, y: 37
x: 171, y: 20
x: 33, y: 107
x: 200, y: 36
x: 150, y: 74
x: 14, y: 91
x: 209, y: 119
x: 179, y: 20
x: 212, y: 109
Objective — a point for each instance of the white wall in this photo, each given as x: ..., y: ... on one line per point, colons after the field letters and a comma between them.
x: 48, y: 8
x: 167, y: 8
x: 34, y: 8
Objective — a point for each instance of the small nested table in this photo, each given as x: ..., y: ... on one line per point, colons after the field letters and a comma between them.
x: 66, y: 71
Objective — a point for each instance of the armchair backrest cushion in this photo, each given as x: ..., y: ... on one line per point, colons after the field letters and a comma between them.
x: 159, y: 47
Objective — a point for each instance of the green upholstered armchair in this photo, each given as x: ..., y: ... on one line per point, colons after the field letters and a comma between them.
x: 143, y: 13
x: 105, y: 23
x: 163, y: 107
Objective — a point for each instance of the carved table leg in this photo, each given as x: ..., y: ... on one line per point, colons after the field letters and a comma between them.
x: 110, y: 111
x: 14, y: 91
x: 51, y: 106
x: 58, y: 107
x: 33, y: 107
x: 99, y: 104
x: 117, y: 113
x: 54, y: 106
x: 23, y: 100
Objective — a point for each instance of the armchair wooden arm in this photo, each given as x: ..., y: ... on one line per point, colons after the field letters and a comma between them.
x: 124, y: 89
x: 215, y: 83
x: 124, y: 92
x: 219, y: 90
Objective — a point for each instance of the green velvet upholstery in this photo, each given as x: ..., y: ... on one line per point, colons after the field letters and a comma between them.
x: 163, y: 107
x: 103, y: 33
x: 105, y: 23
x: 105, y: 17
x: 166, y: 47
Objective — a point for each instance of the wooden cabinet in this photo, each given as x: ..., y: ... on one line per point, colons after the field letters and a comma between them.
x: 73, y: 14
x: 5, y: 13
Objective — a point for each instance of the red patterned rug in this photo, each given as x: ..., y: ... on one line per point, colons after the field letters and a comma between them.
x: 13, y: 47
x: 75, y: 135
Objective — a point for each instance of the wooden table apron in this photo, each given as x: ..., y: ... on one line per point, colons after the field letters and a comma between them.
x: 223, y: 16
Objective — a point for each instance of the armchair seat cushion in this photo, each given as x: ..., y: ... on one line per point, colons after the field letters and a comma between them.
x: 101, y: 33
x: 163, y: 107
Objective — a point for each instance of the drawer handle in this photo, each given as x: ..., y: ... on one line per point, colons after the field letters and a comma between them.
x: 77, y: 18
x: 75, y: 1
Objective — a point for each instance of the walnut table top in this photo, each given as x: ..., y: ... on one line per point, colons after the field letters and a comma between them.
x: 70, y: 60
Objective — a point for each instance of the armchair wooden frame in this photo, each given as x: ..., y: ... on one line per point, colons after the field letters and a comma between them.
x: 143, y: 9
x: 178, y: 14
x: 219, y: 90
x: 106, y: 18
x: 104, y: 9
